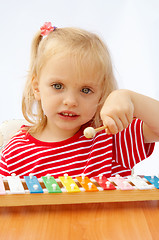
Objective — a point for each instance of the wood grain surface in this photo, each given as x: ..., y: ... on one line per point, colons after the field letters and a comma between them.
x: 91, y: 221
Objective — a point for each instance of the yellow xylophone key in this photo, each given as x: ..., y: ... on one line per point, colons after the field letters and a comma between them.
x: 69, y: 184
x: 87, y: 184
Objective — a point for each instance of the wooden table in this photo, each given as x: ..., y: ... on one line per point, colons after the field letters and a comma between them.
x: 91, y: 221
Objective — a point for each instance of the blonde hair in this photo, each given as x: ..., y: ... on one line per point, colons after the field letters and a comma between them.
x: 89, y: 52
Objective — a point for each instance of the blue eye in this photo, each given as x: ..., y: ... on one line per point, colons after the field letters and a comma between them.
x: 86, y: 90
x: 57, y: 86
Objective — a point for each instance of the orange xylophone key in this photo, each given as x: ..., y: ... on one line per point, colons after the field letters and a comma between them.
x: 87, y: 184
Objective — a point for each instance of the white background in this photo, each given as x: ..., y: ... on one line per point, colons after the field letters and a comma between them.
x: 129, y: 27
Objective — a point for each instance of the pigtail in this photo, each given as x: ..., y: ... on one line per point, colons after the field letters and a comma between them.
x: 28, y: 99
x: 34, y: 49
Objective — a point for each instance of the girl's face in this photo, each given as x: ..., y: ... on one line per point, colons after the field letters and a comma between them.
x: 68, y: 99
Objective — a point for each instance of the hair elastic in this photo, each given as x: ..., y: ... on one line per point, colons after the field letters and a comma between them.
x: 47, y: 28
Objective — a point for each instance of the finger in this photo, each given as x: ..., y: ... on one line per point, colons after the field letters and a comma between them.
x: 111, y: 125
x: 129, y: 117
x: 119, y: 124
x: 125, y: 122
x: 116, y: 124
x: 107, y: 131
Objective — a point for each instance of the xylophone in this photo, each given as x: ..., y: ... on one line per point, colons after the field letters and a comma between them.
x: 67, y: 190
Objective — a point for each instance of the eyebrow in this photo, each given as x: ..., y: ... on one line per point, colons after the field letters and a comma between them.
x: 56, y: 79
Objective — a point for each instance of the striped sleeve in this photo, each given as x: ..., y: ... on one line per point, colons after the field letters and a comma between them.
x: 129, y: 148
x: 3, y: 167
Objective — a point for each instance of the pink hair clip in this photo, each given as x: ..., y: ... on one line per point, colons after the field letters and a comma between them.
x: 47, y: 28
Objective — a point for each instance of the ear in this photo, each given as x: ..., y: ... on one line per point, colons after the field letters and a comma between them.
x: 35, y: 87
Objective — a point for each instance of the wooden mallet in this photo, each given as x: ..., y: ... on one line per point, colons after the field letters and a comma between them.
x: 90, y: 132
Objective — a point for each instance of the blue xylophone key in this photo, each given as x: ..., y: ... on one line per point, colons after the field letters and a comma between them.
x: 33, y: 184
x: 153, y: 180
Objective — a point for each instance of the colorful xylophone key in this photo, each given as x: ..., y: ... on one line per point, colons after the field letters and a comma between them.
x: 121, y: 182
x: 15, y: 184
x: 153, y: 180
x: 87, y: 184
x: 2, y: 188
x: 33, y: 184
x: 51, y: 184
x: 104, y: 183
x: 139, y: 182
x: 69, y: 183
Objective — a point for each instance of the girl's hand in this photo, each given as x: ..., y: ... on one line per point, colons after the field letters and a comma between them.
x: 117, y: 111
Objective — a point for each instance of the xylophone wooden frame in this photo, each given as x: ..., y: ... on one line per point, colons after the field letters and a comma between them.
x: 76, y: 198
x: 45, y: 198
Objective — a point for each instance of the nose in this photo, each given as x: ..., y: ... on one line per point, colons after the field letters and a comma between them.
x: 70, y: 99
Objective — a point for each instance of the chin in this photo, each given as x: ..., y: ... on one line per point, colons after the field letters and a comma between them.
x: 70, y: 128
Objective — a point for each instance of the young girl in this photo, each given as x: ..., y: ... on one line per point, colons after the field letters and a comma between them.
x: 71, y: 86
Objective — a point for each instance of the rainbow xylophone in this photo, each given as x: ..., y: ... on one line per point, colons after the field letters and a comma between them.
x: 67, y: 190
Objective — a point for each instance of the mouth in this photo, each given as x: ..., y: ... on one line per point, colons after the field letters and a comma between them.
x: 68, y: 115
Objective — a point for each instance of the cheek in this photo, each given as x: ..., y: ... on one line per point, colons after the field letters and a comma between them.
x: 46, y: 105
x: 90, y: 108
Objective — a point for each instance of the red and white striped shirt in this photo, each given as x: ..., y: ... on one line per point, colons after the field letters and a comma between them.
x: 106, y: 154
